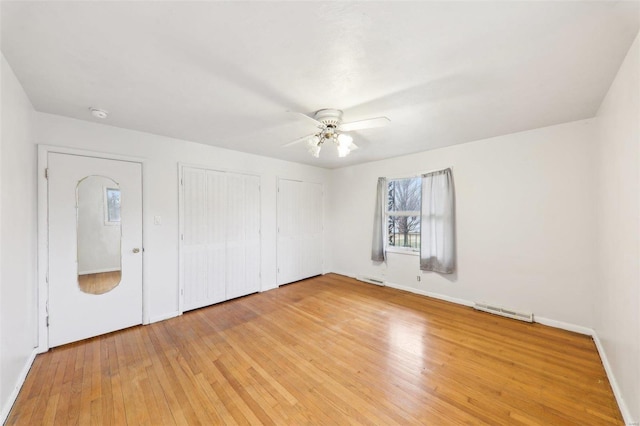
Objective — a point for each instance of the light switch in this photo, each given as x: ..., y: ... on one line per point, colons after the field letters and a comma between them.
x: 157, y: 220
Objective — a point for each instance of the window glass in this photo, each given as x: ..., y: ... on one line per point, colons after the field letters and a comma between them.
x: 112, y: 205
x: 403, y: 213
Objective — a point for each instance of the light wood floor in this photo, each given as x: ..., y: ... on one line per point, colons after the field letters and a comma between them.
x: 328, y: 350
x: 99, y: 283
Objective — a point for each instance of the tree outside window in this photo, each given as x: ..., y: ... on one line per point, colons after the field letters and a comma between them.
x: 403, y: 213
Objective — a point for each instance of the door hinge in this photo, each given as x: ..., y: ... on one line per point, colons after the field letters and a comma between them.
x: 47, y: 320
x: 46, y: 173
x: 182, y: 237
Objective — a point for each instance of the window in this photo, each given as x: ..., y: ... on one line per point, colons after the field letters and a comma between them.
x: 111, y: 206
x: 403, y: 214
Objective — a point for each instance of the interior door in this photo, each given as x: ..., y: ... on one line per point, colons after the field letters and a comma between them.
x: 95, y: 246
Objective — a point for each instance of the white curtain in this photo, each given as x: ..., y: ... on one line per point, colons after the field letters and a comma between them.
x: 377, y: 246
x: 437, y: 233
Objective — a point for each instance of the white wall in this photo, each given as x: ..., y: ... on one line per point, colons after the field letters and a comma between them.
x: 17, y: 236
x: 162, y: 155
x: 617, y: 321
x: 98, y: 242
x: 525, y: 222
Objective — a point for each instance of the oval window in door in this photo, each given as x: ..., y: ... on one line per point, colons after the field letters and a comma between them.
x: 99, y: 234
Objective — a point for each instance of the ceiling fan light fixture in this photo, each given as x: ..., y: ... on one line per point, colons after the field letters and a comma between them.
x: 343, y: 151
x: 344, y: 142
x: 344, y: 139
x: 329, y: 127
x: 314, y: 148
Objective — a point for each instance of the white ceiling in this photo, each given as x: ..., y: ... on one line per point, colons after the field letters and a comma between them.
x: 226, y: 74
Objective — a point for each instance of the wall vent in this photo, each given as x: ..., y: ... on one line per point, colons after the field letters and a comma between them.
x: 509, y: 313
x: 370, y: 280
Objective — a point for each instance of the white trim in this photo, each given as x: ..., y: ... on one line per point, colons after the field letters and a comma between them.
x: 403, y: 250
x: 164, y: 317
x: 181, y: 165
x: 279, y: 178
x: 16, y: 390
x: 341, y: 273
x: 439, y: 296
x: 43, y: 228
x: 624, y: 410
x: 43, y: 249
x: 98, y: 271
x: 563, y: 325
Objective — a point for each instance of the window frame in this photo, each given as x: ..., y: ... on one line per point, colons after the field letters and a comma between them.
x: 401, y: 213
x: 108, y: 221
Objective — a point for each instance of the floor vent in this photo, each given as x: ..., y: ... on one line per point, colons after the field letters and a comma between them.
x: 370, y: 280
x: 509, y: 313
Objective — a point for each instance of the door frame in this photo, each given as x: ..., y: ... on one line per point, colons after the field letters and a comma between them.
x: 42, y: 293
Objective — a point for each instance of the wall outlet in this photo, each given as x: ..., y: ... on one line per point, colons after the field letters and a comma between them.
x: 418, y: 278
x: 157, y: 220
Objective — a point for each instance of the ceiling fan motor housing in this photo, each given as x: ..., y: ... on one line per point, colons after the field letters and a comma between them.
x: 329, y: 117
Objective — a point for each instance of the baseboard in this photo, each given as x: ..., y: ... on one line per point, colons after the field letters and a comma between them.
x: 626, y: 415
x: 430, y: 294
x: 164, y: 317
x: 6, y: 409
x: 341, y: 273
x: 563, y: 325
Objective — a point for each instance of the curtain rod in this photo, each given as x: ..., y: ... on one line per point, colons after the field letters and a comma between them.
x: 419, y: 174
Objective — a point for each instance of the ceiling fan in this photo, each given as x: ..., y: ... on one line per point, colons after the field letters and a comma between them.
x: 330, y: 128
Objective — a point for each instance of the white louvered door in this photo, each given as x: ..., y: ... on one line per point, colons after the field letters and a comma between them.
x: 300, y: 230
x: 243, y: 235
x: 221, y: 236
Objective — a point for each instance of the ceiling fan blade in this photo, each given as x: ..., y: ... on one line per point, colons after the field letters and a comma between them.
x: 302, y: 139
x: 371, y: 123
x: 316, y: 123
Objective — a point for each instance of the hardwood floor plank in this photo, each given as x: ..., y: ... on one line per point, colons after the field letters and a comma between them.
x: 328, y: 350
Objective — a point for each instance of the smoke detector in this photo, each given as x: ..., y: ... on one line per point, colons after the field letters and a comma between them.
x: 99, y: 113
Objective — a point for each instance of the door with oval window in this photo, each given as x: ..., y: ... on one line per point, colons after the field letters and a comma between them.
x: 95, y: 246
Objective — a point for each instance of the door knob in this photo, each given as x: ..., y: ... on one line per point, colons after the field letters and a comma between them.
x: 136, y: 250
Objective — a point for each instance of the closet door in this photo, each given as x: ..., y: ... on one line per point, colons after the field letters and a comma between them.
x: 194, y: 239
x: 243, y: 235
x: 216, y: 214
x: 300, y: 230
x: 221, y: 236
